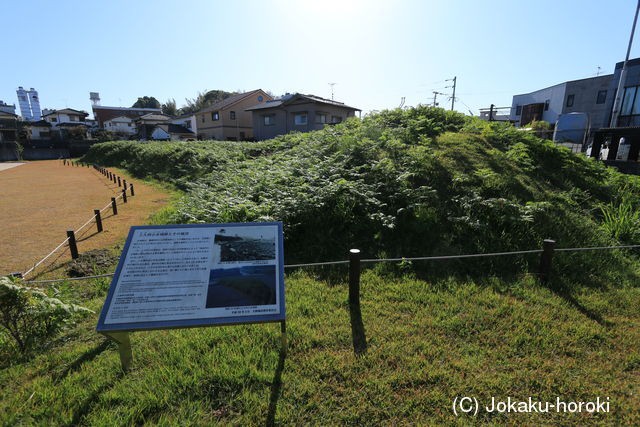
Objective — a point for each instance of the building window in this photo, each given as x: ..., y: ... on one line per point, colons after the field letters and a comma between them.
x: 53, y: 119
x: 72, y: 118
x: 336, y: 119
x: 300, y: 119
x: 518, y: 110
x: 269, y: 120
x: 232, y: 115
x: 602, y: 96
x: 629, y: 102
x: 546, y: 105
x: 570, y: 99
x: 215, y: 115
x: 321, y: 118
x: 242, y: 136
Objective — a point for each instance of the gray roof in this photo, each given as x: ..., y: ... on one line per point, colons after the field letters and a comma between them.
x: 228, y: 101
x: 287, y: 99
x: 152, y: 116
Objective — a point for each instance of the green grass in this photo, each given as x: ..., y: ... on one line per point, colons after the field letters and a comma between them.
x: 428, y: 343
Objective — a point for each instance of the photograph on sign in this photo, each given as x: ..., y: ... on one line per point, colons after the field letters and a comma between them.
x: 187, y: 275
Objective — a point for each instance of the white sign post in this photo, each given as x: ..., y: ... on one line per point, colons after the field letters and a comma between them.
x: 182, y: 276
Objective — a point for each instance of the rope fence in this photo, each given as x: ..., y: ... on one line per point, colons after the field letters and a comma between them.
x: 71, y: 234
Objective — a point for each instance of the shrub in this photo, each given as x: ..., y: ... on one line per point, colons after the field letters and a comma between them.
x: 29, y: 318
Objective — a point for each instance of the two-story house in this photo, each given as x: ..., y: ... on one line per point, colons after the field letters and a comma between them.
x: 8, y: 126
x: 228, y: 120
x: 146, y: 124
x: 62, y: 120
x: 296, y: 112
x: 121, y: 125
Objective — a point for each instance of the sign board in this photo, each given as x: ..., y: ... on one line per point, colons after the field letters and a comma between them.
x: 181, y: 276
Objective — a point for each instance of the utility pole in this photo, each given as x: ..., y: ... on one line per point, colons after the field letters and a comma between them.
x: 453, y: 97
x: 623, y: 75
x: 435, y: 97
x: 332, y: 85
x: 491, y: 112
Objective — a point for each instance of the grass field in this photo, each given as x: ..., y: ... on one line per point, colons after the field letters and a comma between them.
x: 428, y: 343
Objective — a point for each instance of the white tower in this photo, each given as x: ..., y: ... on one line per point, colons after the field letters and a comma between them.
x: 35, y: 104
x: 25, y: 107
x: 95, y: 98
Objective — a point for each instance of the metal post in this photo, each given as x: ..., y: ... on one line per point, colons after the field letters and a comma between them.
x: 124, y: 195
x: 546, y: 259
x: 73, y: 247
x: 98, y: 220
x: 114, y: 206
x: 124, y: 348
x: 283, y: 331
x: 131, y: 187
x: 357, y: 327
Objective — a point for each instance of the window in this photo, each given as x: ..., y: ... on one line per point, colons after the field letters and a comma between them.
x: 53, y: 119
x: 602, y: 96
x: 570, y: 99
x: 518, y: 110
x: 215, y: 115
x: 321, y: 118
x: 336, y: 119
x: 269, y: 120
x: 203, y: 118
x: 129, y: 124
x: 300, y: 119
x: 546, y: 105
x: 232, y: 115
x: 242, y: 136
x: 72, y: 118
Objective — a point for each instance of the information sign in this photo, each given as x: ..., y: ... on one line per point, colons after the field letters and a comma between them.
x: 197, y: 275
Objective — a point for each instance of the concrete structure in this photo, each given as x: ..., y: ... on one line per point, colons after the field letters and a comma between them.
x: 28, y: 106
x: 121, y: 124
x: 296, y: 112
x: 101, y: 114
x: 227, y: 119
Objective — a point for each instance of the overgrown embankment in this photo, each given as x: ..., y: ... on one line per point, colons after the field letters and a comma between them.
x: 416, y: 182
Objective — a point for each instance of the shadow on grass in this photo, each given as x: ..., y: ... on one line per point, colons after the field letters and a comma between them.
x: 563, y: 292
x: 84, y: 358
x: 276, y: 387
x: 87, y: 237
x: 85, y: 406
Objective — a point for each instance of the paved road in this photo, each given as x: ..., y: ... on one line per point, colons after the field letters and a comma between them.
x: 9, y: 165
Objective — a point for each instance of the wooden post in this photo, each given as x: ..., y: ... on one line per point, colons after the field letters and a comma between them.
x: 98, y: 220
x: 119, y: 183
x: 124, y: 195
x: 124, y: 184
x: 546, y: 259
x: 131, y: 187
x: 357, y: 327
x: 114, y: 206
x: 73, y: 247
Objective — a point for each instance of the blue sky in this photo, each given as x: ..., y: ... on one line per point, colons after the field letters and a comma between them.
x: 375, y: 51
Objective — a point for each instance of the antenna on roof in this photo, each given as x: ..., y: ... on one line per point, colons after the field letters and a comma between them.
x: 332, y: 85
x: 598, y: 73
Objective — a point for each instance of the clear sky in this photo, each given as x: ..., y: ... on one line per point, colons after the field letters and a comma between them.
x: 376, y: 51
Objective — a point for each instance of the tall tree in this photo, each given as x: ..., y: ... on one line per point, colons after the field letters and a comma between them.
x: 169, y: 108
x: 204, y: 99
x: 146, y: 102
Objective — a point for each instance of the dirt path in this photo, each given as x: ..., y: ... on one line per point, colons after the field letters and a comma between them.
x: 40, y: 201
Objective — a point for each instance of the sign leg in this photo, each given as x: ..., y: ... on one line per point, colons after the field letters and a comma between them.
x: 283, y: 330
x: 124, y: 347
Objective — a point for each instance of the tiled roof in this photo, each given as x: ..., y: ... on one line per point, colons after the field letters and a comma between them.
x: 228, y: 101
x: 290, y: 98
x: 66, y: 111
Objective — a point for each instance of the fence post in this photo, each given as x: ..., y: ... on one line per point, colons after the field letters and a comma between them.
x: 124, y: 183
x: 114, y: 206
x: 98, y: 219
x: 131, y: 187
x: 357, y: 327
x: 119, y: 183
x: 73, y: 247
x: 124, y: 195
x: 546, y: 259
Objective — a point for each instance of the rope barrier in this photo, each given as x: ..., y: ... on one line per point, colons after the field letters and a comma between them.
x: 70, y: 279
x: 43, y: 259
x: 86, y: 223
x: 599, y: 248
x: 316, y: 264
x: 533, y: 251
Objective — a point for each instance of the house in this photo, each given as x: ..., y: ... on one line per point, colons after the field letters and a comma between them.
x: 102, y: 114
x: 227, y: 120
x: 8, y: 126
x: 172, y: 132
x: 187, y: 120
x: 296, y: 112
x: 145, y: 124
x: 7, y: 108
x: 39, y: 130
x: 121, y: 124
x: 63, y: 120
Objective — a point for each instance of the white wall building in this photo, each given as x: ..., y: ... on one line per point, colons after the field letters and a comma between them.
x: 120, y: 124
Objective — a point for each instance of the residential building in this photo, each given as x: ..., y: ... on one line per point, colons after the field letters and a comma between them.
x: 64, y: 119
x: 630, y: 111
x: 227, y: 119
x: 296, y: 112
x: 172, y: 132
x: 7, y: 108
x: 8, y: 126
x: 187, y: 120
x: 101, y: 114
x: 145, y: 124
x: 122, y: 125
x: 39, y: 130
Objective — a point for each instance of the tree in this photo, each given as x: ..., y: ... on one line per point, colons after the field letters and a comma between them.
x: 204, y: 99
x: 146, y: 102
x: 169, y: 108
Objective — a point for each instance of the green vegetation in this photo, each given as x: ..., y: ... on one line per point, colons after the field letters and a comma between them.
x: 428, y: 342
x: 399, y: 183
